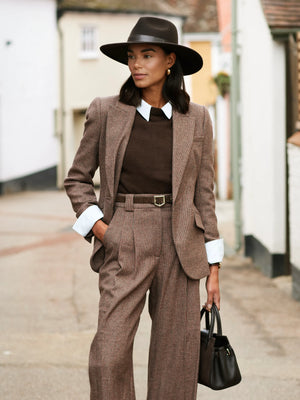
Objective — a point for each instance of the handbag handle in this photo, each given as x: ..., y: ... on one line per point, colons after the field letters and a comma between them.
x: 215, y: 315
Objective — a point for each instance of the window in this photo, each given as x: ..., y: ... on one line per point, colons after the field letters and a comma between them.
x: 89, y: 39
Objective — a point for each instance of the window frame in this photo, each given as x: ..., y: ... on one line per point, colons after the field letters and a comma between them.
x: 88, y: 45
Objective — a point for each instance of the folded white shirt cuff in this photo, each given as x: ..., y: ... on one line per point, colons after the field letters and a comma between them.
x: 215, y: 251
x: 87, y: 220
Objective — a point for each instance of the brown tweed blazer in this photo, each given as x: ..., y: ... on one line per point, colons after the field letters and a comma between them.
x: 107, y: 130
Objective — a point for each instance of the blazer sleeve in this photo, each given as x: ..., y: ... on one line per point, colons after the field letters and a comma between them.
x: 204, y: 194
x: 79, y: 181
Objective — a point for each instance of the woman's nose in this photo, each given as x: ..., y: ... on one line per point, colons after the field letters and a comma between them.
x: 137, y: 63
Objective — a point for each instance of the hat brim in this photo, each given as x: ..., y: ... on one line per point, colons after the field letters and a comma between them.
x: 190, y: 60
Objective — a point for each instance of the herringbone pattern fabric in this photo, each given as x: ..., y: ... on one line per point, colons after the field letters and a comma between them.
x: 140, y: 257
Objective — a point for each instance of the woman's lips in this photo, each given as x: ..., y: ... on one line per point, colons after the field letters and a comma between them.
x: 139, y: 76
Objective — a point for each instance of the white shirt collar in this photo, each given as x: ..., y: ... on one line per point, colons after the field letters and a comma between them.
x: 145, y: 108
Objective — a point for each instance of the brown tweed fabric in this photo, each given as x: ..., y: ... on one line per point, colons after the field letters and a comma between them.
x: 140, y: 256
x: 107, y: 131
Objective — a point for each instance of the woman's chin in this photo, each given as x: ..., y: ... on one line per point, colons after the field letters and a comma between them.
x: 140, y: 84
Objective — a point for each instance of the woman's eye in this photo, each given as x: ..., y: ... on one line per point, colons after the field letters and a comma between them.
x: 147, y: 56
x: 130, y: 57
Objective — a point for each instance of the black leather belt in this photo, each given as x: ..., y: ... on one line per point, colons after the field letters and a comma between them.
x: 158, y: 200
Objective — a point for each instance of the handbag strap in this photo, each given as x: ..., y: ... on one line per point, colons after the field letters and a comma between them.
x: 210, y: 325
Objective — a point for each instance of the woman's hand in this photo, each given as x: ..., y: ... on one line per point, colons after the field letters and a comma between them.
x: 99, y: 229
x: 212, y: 288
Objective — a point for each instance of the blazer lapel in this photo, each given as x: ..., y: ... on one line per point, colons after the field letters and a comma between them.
x: 183, y: 133
x: 120, y: 119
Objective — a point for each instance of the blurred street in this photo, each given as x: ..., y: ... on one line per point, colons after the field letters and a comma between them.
x: 49, y: 301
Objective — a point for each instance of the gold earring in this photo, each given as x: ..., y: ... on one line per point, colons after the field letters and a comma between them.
x: 168, y: 72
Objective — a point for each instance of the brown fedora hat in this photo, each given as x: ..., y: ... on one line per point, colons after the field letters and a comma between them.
x: 162, y: 33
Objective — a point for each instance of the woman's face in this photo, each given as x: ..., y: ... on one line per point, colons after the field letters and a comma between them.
x: 148, y: 65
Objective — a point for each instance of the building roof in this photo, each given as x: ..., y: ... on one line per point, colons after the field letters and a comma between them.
x: 200, y: 16
x: 130, y: 6
x: 282, y: 14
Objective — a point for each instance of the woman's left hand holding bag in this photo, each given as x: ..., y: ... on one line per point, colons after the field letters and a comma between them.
x: 212, y: 287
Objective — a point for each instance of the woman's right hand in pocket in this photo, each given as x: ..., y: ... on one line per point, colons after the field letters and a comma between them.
x: 99, y: 229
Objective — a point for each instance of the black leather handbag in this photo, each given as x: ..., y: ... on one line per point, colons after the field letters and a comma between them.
x: 218, y: 367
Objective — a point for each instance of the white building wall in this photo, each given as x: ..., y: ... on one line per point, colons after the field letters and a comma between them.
x: 263, y: 129
x: 294, y: 201
x: 223, y: 138
x: 28, y: 84
x: 223, y: 131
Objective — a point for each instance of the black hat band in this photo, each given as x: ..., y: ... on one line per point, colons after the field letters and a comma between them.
x: 147, y: 39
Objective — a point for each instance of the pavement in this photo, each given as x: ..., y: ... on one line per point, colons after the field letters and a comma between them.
x: 49, y: 301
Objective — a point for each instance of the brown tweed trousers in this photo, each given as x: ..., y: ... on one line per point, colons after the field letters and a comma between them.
x: 147, y: 248
x: 140, y: 256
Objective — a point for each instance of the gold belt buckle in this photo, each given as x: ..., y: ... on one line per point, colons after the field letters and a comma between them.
x: 159, y: 200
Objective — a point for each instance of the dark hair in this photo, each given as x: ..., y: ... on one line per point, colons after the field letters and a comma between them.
x: 173, y: 90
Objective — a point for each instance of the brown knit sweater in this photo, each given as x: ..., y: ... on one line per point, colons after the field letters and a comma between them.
x: 147, y: 164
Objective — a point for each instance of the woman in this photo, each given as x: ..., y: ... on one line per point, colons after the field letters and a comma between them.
x: 154, y: 225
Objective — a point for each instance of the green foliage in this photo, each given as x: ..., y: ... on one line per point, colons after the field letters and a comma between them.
x: 222, y: 80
